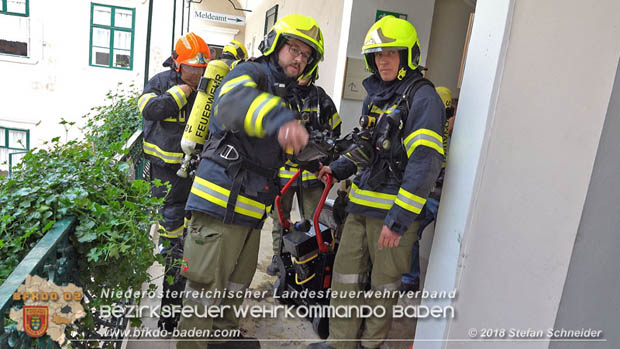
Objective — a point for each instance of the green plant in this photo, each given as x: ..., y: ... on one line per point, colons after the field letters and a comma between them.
x: 81, y: 178
x: 114, y: 213
x: 116, y: 121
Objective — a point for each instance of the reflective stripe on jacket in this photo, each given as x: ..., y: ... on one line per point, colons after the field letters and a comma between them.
x: 165, y: 108
x: 398, y: 193
x: 247, y: 116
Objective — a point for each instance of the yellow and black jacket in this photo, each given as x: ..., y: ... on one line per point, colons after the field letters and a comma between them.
x: 165, y: 109
x: 396, y: 185
x: 321, y: 114
x: 237, y: 179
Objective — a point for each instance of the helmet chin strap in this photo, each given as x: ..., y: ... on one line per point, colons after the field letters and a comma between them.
x: 401, y: 73
x: 403, y: 67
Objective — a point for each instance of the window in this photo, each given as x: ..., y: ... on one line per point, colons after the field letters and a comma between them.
x: 271, y: 16
x: 111, y: 36
x: 12, y: 141
x: 14, y: 7
x: 14, y: 27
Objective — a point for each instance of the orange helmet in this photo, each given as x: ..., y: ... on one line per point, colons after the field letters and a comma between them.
x: 191, y: 50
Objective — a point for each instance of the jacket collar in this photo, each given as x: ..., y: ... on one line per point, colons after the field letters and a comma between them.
x: 276, y: 71
x: 380, y: 91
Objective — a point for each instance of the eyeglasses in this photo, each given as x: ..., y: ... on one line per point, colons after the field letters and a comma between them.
x: 295, y: 51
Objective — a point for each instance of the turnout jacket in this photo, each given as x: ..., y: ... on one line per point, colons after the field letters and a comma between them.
x: 165, y: 109
x: 322, y: 114
x: 397, y: 183
x: 237, y: 179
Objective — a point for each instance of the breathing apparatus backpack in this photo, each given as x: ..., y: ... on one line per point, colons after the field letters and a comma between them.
x: 197, y: 127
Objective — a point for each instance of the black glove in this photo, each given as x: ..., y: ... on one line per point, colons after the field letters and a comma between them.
x: 340, y: 204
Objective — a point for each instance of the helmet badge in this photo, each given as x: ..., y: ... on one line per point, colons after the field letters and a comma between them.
x: 377, y: 37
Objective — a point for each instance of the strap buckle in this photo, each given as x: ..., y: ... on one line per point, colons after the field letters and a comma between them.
x: 229, y: 153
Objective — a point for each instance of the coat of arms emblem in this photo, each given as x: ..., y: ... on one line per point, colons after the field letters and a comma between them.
x: 36, y: 320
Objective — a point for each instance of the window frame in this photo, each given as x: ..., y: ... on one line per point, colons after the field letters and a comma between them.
x: 112, y: 30
x: 6, y: 12
x: 272, y: 11
x: 6, y: 138
x: 16, y: 150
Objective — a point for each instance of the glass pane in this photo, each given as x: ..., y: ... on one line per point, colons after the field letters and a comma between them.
x: 102, y: 15
x: 122, y: 18
x: 121, y: 58
x: 101, y: 37
x: 16, y: 159
x: 2, y: 137
x: 101, y: 56
x: 16, y: 6
x: 14, y: 28
x: 17, y: 139
x: 4, y: 159
x: 122, y: 40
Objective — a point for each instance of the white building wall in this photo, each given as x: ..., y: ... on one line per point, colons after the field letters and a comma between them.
x: 329, y: 15
x: 57, y: 82
x: 523, y: 188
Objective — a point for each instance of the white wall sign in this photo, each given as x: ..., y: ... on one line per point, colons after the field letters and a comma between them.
x: 354, y: 75
x: 219, y: 17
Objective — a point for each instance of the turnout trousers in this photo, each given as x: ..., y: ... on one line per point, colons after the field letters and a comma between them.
x: 220, y: 257
x: 356, y: 259
x: 171, y: 229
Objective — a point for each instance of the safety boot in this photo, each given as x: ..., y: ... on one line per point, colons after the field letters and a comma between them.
x: 273, y: 268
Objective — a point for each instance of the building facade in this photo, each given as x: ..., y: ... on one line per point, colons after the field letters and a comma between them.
x: 59, y: 59
x: 527, y: 229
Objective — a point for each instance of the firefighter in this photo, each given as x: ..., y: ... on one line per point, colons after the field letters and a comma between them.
x: 165, y: 105
x: 196, y: 129
x: 236, y: 181
x: 392, y: 185
x: 235, y: 51
x: 318, y: 113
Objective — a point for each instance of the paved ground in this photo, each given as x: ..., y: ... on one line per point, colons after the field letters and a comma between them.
x: 282, y: 333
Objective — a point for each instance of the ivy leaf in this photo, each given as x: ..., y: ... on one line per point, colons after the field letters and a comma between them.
x: 94, y: 254
x: 48, y: 226
x: 113, y: 252
x: 123, y: 166
x: 85, y: 233
x: 87, y: 237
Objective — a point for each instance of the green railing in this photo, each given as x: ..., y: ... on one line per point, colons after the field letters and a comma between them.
x: 135, y: 156
x: 54, y: 258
